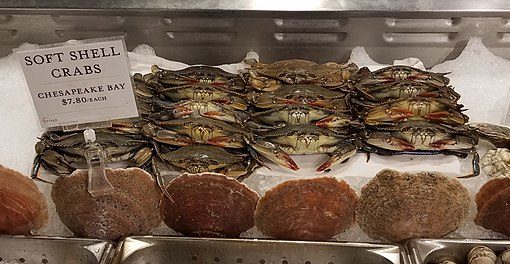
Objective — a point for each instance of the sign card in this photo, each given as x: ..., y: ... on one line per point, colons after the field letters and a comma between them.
x: 79, y: 83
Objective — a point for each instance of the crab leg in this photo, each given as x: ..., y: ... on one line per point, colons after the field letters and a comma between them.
x: 274, y: 153
x: 344, y: 151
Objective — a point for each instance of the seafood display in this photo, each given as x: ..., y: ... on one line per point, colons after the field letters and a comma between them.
x: 411, y: 111
x: 209, y: 205
x: 397, y: 206
x: 492, y: 202
x: 131, y: 209
x: 23, y: 209
x: 307, y: 209
x: 202, y: 110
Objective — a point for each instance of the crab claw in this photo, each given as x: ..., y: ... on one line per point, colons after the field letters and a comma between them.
x: 226, y: 142
x: 274, y: 154
x: 181, y: 111
x: 343, y: 153
x: 334, y: 120
x: 219, y: 116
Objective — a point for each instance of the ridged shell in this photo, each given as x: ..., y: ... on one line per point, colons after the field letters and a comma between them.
x: 493, y: 205
x: 397, y: 206
x: 208, y: 205
x: 23, y: 208
x: 132, y: 208
x: 307, y: 209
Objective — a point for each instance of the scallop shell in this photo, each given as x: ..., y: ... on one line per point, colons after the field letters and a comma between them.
x: 496, y: 163
x: 208, y: 204
x: 397, y: 206
x: 493, y: 205
x: 131, y: 209
x: 307, y: 209
x: 23, y: 208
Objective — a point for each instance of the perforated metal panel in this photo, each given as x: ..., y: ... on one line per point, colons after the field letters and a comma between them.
x: 219, y: 37
x: 182, y: 250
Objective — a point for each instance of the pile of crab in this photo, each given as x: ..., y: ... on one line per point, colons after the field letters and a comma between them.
x: 204, y: 119
x: 303, y: 108
x: 198, y: 122
x: 410, y: 111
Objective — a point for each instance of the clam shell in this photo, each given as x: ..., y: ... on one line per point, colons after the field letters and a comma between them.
x: 307, y: 209
x: 493, y: 205
x: 23, y: 208
x: 208, y: 204
x: 131, y: 209
x: 397, y: 206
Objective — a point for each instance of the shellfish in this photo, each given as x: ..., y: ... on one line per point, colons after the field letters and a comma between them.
x: 208, y: 204
x: 307, y: 209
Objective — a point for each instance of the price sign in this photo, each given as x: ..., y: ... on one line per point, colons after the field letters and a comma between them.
x: 79, y: 83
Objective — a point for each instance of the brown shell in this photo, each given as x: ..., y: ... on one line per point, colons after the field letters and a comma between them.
x: 132, y: 208
x: 23, y: 208
x: 209, y: 205
x: 493, y: 205
x: 397, y: 206
x: 307, y: 209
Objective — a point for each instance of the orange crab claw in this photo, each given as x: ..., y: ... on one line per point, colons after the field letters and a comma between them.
x: 225, y: 141
x: 441, y: 143
x: 181, y: 111
x: 438, y: 115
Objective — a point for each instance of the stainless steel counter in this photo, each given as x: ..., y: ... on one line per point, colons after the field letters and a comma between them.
x: 213, y: 32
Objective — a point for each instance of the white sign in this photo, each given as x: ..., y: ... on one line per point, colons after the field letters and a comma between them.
x: 79, y: 83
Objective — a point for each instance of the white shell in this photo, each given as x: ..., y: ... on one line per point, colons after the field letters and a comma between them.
x: 481, y: 255
x: 496, y: 162
x: 505, y: 256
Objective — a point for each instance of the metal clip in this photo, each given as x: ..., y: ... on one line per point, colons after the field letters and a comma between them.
x: 96, y: 160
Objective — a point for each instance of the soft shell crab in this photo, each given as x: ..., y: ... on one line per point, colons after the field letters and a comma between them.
x: 300, y: 94
x: 423, y: 138
x: 270, y: 77
x: 206, y: 158
x: 198, y: 74
x: 406, y: 89
x: 62, y: 153
x: 415, y: 109
x: 309, y: 139
x: 401, y: 73
x: 499, y: 136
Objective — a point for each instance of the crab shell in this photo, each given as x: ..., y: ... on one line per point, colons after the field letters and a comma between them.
x: 300, y: 94
x: 269, y: 77
x: 402, y: 73
x: 434, y: 110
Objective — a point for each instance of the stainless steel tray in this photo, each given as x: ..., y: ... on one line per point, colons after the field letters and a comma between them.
x: 47, y: 250
x: 148, y: 249
x: 433, y: 250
